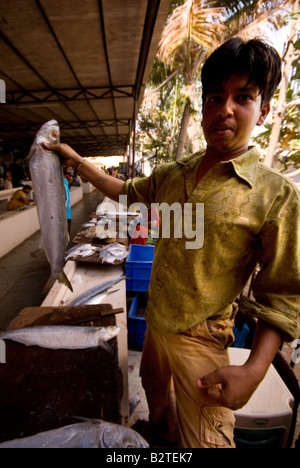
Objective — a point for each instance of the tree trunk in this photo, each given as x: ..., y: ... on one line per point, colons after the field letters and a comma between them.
x: 288, y: 60
x: 183, y: 130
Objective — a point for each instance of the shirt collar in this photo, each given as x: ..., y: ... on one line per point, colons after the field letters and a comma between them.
x: 245, y: 165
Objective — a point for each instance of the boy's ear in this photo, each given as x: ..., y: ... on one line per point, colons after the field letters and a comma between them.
x: 263, y: 114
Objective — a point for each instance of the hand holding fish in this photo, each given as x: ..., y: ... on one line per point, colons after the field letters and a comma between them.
x: 110, y: 186
x: 71, y: 158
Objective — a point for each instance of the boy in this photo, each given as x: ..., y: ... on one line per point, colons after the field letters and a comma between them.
x: 251, y: 217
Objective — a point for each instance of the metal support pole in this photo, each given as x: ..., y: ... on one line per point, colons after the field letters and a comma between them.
x: 133, y: 138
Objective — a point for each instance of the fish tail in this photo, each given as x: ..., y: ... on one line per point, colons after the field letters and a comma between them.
x: 61, y: 278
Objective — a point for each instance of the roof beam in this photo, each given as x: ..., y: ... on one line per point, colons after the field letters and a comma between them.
x: 62, y: 51
x: 150, y: 20
x: 67, y: 95
x: 106, y: 54
x: 30, y: 66
x: 74, y: 125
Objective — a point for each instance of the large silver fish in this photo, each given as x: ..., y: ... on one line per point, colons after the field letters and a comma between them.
x: 47, y: 179
x: 90, y: 434
x: 62, y: 336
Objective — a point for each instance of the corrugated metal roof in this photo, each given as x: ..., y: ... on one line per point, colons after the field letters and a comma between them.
x: 81, y: 62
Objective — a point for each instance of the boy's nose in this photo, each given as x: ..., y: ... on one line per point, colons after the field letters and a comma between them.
x: 225, y: 108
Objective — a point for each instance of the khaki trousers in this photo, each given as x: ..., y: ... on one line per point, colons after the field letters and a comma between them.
x: 170, y: 367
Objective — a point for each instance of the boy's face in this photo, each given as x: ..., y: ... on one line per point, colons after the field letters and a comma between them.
x: 230, y: 115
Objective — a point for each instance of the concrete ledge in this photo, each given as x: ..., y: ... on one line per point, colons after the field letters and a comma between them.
x: 87, y: 187
x: 76, y: 194
x: 17, y: 226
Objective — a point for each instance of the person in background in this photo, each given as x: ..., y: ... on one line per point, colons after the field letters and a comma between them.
x: 8, y: 181
x: 20, y: 199
x: 18, y: 173
x: 68, y: 205
x: 154, y: 222
x: 2, y: 175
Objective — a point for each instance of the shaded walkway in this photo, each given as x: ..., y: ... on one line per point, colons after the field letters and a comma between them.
x: 25, y: 270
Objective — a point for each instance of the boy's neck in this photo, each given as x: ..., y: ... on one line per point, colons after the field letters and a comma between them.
x: 211, y: 158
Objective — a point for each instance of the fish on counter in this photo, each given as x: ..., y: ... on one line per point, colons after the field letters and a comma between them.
x: 87, y: 296
x: 94, y: 433
x: 62, y: 336
x: 83, y: 250
x: 112, y: 253
x: 47, y: 178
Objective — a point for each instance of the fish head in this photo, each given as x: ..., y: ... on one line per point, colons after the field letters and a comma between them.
x: 115, y: 436
x: 48, y: 133
x: 112, y: 331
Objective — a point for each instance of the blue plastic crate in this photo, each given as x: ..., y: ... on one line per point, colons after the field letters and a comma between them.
x: 240, y: 336
x: 136, y: 325
x: 138, y: 267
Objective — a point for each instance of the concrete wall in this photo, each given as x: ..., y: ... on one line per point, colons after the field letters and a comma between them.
x: 17, y: 226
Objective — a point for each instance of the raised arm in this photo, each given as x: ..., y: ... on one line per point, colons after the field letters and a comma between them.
x: 110, y: 186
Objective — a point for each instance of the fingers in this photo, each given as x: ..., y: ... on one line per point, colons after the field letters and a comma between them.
x: 209, y: 380
x: 64, y: 150
x: 54, y: 148
x: 211, y: 389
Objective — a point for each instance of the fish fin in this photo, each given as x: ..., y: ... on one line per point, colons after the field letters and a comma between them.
x: 106, y: 346
x: 61, y: 278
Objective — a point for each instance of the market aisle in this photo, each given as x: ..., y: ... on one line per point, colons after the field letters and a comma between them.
x: 25, y: 270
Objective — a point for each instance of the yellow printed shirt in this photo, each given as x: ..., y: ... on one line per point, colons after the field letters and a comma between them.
x: 19, y: 195
x: 251, y: 218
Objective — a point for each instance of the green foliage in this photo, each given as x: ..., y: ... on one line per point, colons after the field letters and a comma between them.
x: 158, y: 119
x: 160, y: 116
x: 288, y: 152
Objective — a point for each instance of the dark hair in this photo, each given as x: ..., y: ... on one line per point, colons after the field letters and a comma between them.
x: 27, y: 187
x: 255, y: 58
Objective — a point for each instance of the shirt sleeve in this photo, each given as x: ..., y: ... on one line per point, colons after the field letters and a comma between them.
x: 276, y: 287
x: 140, y: 190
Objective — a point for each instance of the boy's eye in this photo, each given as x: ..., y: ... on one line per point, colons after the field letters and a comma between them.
x: 244, y: 97
x: 214, y: 98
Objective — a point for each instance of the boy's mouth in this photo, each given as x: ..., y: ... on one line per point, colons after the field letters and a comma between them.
x: 222, y: 129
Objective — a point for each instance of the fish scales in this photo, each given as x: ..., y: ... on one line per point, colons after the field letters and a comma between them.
x: 47, y: 179
x: 94, y: 433
x: 62, y: 336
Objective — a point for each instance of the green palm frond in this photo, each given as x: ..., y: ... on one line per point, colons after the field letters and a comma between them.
x: 194, y: 22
